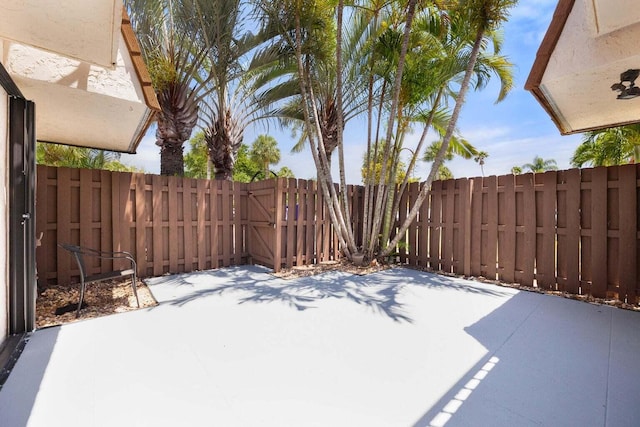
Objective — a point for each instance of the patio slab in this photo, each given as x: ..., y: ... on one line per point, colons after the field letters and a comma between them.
x: 238, y: 347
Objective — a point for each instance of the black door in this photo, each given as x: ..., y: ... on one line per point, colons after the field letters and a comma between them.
x: 22, y: 239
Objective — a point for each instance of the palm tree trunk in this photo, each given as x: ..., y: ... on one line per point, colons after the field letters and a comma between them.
x: 311, y: 120
x: 171, y: 158
x: 395, y: 100
x: 464, y: 87
x: 340, y: 122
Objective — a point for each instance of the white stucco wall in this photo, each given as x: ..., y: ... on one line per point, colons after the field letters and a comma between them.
x: 4, y: 213
x: 30, y: 63
x: 109, y: 103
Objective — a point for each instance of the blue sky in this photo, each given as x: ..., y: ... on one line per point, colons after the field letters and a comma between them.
x: 512, y: 132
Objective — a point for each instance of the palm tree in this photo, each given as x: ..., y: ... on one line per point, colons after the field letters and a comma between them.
x: 479, y: 159
x: 79, y: 157
x: 392, y: 100
x: 458, y: 146
x: 516, y: 170
x: 174, y: 60
x: 231, y: 105
x: 482, y: 18
x: 613, y: 146
x: 323, y: 76
x: 540, y: 165
x: 265, y: 152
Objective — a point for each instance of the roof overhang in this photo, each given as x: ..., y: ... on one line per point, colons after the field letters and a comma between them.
x: 62, y: 27
x: 89, y: 83
x: 588, y: 45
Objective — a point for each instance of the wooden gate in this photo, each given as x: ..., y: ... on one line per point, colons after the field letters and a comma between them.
x: 263, y: 247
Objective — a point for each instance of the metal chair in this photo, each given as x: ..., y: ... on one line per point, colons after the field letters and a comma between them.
x: 80, y: 252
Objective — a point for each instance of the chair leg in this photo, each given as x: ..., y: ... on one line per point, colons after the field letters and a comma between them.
x: 135, y: 290
x: 82, y: 286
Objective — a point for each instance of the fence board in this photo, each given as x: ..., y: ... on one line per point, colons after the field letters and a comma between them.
x: 214, y: 195
x: 628, y: 241
x: 448, y: 225
x: 140, y: 224
x: 507, y: 251
x: 64, y: 223
x: 43, y: 254
x: 291, y: 211
x: 465, y: 234
x: 300, y: 221
x: 201, y: 226
x: 227, y: 236
x: 547, y: 264
x: 238, y: 247
x: 423, y: 230
x: 402, y: 215
x: 310, y: 222
x: 476, y: 227
x: 491, y: 258
x: 172, y: 184
x: 86, y: 209
x: 279, y: 217
x: 572, y: 235
x: 158, y: 224
x: 530, y: 232
x: 104, y: 221
x: 599, y: 232
x: 435, y: 225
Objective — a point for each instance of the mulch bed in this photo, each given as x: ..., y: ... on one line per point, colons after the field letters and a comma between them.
x: 341, y: 265
x: 102, y: 299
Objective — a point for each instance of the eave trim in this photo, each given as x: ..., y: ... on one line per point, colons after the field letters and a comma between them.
x: 138, y: 62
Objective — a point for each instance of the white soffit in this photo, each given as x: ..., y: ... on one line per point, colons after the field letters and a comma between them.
x: 575, y: 84
x: 613, y: 15
x: 84, y: 119
x: 87, y: 30
x: 79, y: 103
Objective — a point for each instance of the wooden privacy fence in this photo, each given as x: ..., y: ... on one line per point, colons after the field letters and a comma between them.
x: 169, y: 224
x: 174, y: 225
x: 574, y: 231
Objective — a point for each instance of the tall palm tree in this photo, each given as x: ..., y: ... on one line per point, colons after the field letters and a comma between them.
x: 483, y: 16
x: 441, y: 55
x: 479, y: 158
x: 613, y: 146
x: 265, y: 152
x: 175, y: 61
x: 541, y: 165
x: 323, y: 77
x: 243, y: 82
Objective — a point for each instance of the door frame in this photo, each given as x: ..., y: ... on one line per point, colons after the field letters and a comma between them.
x: 22, y: 289
x: 22, y: 237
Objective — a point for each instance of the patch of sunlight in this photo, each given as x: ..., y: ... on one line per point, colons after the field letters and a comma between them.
x: 463, y: 394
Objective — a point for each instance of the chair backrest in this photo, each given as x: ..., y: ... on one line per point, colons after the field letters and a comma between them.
x: 77, y: 253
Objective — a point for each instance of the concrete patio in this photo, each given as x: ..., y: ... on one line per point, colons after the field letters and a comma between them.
x: 238, y: 347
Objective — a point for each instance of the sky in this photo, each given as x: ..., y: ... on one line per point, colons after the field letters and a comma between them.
x: 513, y: 132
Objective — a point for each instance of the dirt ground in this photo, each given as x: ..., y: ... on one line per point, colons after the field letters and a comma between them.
x: 102, y: 298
